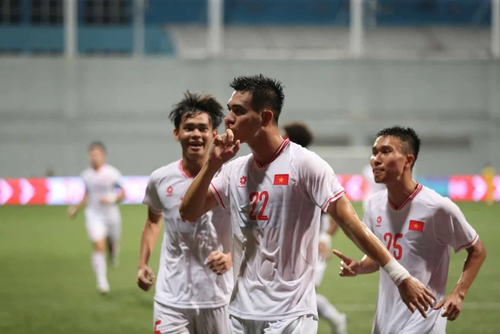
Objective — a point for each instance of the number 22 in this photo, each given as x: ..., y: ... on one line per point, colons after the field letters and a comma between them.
x: 256, y: 197
x: 398, y: 250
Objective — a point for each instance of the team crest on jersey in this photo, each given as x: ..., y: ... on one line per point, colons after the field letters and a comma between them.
x: 170, y: 191
x: 379, y: 221
x: 243, y: 182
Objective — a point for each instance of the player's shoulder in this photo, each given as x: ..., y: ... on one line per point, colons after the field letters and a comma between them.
x: 86, y: 172
x: 435, y: 202
x: 112, y: 169
x: 303, y: 157
x: 237, y: 162
x: 378, y: 199
x: 170, y: 170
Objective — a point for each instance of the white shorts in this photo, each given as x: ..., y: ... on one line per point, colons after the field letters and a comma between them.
x: 103, y: 226
x: 301, y: 325
x: 320, y: 271
x: 172, y: 320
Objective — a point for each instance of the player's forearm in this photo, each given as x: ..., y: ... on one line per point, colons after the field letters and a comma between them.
x: 475, y: 258
x: 345, y: 216
x: 121, y: 195
x: 368, y: 266
x: 82, y: 203
x: 193, y: 203
x: 148, y: 241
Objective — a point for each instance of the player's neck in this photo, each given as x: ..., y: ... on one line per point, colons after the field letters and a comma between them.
x: 265, y: 146
x: 192, y: 166
x: 400, y: 190
x: 97, y: 167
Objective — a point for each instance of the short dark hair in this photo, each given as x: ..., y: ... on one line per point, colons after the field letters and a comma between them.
x: 194, y: 103
x: 266, y: 92
x: 97, y: 144
x: 299, y: 133
x: 407, y: 136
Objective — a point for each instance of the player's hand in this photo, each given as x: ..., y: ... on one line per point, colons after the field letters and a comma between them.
x: 72, y: 211
x: 145, y: 278
x: 452, y: 306
x: 219, y: 262
x: 108, y: 199
x: 324, y: 251
x: 415, y: 295
x: 224, y: 148
x: 348, y: 267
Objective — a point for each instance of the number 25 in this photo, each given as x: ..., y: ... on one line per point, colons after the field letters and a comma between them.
x: 398, y: 250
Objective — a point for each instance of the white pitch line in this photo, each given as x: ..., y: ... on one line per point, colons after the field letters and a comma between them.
x: 371, y: 307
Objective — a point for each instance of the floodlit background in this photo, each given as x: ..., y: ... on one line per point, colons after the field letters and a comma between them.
x: 74, y: 71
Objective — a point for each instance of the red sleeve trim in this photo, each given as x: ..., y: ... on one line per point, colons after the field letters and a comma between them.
x: 218, y: 195
x: 331, y: 199
x: 467, y: 245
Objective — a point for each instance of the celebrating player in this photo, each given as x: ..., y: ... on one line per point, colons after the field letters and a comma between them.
x: 103, y: 191
x: 418, y: 226
x: 274, y: 195
x: 300, y: 134
x: 195, y: 278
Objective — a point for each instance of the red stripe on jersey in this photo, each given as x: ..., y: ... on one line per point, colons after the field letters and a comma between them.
x: 331, y: 199
x: 412, y: 196
x: 182, y: 170
x: 280, y: 149
x: 218, y: 195
x: 467, y: 245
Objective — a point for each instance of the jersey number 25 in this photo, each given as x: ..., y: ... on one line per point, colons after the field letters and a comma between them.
x: 393, y: 242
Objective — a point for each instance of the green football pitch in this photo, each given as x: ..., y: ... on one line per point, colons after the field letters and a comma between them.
x: 47, y: 285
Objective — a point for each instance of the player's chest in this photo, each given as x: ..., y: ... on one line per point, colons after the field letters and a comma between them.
x: 260, y: 196
x: 100, y: 182
x: 171, y: 192
x: 405, y: 234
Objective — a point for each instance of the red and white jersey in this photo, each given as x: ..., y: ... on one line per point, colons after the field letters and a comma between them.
x: 418, y: 234
x: 276, y: 210
x: 101, y: 183
x: 184, y: 280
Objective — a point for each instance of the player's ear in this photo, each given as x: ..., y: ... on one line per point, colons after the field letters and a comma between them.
x: 410, y: 159
x: 267, y: 117
x: 176, y: 134
x: 215, y: 133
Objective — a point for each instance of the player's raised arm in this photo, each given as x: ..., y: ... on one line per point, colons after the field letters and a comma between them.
x: 412, y: 291
x: 198, y: 198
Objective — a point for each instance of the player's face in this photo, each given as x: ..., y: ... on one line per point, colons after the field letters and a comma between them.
x: 388, y: 159
x: 97, y: 157
x: 242, y: 120
x: 195, y: 135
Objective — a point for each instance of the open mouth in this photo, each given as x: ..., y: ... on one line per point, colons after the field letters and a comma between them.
x: 196, y: 146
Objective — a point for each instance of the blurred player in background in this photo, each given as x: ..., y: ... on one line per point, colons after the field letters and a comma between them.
x: 300, y: 134
x: 418, y: 226
x: 103, y: 192
x: 195, y: 279
x: 489, y: 174
x: 275, y: 196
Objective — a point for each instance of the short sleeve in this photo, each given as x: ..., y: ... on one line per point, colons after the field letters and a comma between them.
x: 151, y: 198
x: 452, y: 228
x: 220, y: 185
x: 319, y: 181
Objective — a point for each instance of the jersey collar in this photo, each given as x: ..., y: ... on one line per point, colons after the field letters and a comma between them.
x: 276, y: 154
x: 412, y: 196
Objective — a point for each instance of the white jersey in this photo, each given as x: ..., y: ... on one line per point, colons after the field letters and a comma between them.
x: 373, y: 187
x: 184, y: 279
x: 276, y: 208
x: 98, y: 184
x: 418, y: 235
